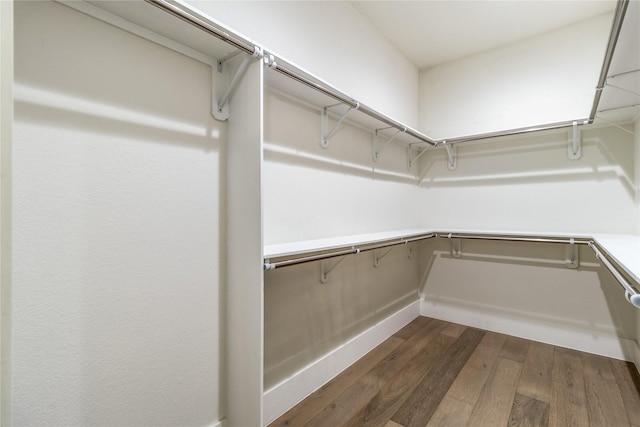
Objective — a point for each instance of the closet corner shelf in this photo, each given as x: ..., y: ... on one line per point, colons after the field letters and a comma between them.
x: 619, y: 253
x: 341, y: 242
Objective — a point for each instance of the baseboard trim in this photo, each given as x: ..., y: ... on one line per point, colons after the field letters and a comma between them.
x: 288, y: 393
x: 583, y: 339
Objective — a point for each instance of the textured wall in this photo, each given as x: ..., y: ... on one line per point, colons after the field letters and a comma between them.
x: 116, y: 207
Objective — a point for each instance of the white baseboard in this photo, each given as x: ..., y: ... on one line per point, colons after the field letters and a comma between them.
x: 604, y: 343
x: 288, y: 393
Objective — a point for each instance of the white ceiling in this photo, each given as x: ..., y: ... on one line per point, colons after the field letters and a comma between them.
x: 432, y: 32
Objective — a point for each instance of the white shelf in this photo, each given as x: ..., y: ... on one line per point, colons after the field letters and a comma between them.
x: 308, y: 246
x: 624, y: 249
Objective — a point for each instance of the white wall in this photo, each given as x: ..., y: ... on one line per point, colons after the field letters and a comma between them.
x: 6, y: 124
x: 311, y: 192
x: 116, y: 232
x: 333, y: 41
x: 529, y: 184
x: 544, y: 79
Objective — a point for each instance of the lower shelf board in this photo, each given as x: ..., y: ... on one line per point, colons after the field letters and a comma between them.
x: 434, y: 373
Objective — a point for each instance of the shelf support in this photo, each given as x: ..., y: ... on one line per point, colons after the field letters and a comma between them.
x: 456, y: 246
x: 571, y: 254
x: 452, y: 155
x: 220, y: 110
x: 376, y: 258
x: 410, y: 161
x: 324, y: 271
x: 376, y: 144
x: 575, y: 142
x: 324, y: 123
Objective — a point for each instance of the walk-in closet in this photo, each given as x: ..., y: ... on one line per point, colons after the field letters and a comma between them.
x: 238, y: 214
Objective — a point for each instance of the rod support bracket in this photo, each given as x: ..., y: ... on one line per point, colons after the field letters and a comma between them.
x: 572, y: 259
x: 456, y: 246
x: 452, y: 155
x: 325, y: 270
x: 325, y: 133
x: 376, y: 142
x: 574, y: 150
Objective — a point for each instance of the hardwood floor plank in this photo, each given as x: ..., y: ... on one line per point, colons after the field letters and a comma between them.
x: 604, y: 403
x: 470, y: 382
x: 628, y: 381
x: 451, y: 413
x: 398, y: 359
x: 336, y: 414
x: 412, y: 327
x: 528, y: 412
x: 392, y: 424
x: 380, y: 409
x: 595, y: 366
x: 568, y: 398
x: 453, y: 330
x: 423, y: 402
x: 515, y: 349
x: 493, y: 407
x: 535, y: 381
x: 313, y: 404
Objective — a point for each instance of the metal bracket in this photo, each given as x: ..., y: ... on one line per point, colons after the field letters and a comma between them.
x: 327, y: 134
x: 452, y: 155
x: 324, y: 271
x: 220, y: 108
x: 376, y: 258
x: 575, y: 142
x: 410, y: 161
x: 267, y: 266
x: 376, y: 137
x: 571, y: 254
x: 456, y: 247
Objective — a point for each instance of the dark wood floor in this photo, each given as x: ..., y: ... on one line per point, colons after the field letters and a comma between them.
x: 435, y: 373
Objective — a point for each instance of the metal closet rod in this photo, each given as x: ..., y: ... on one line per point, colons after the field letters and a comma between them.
x: 512, y: 238
x: 631, y: 293
x: 249, y: 47
x: 616, y: 27
x: 353, y: 249
x: 513, y: 132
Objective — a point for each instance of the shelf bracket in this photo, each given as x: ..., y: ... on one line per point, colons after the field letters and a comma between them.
x: 325, y: 270
x: 410, y: 161
x: 220, y: 108
x: 376, y: 258
x: 571, y: 255
x: 456, y: 247
x: 376, y: 143
x: 575, y: 142
x: 327, y: 134
x: 452, y: 155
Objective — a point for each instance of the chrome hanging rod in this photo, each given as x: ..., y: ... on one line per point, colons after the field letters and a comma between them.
x: 204, y: 24
x: 513, y: 132
x: 353, y: 249
x: 616, y: 27
x: 513, y: 238
x: 631, y: 293
x: 193, y: 18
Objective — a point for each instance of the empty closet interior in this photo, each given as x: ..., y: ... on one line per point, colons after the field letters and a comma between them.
x: 202, y: 227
